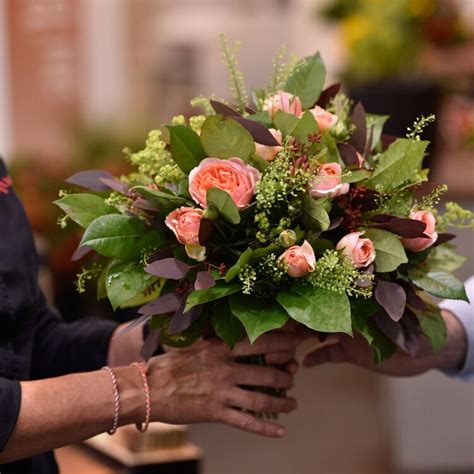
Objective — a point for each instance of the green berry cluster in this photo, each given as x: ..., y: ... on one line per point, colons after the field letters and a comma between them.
x: 248, y: 277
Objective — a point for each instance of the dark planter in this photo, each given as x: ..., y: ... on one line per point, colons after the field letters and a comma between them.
x: 404, y: 101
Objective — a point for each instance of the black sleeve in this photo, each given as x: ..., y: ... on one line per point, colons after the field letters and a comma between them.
x: 10, y: 400
x: 61, y: 348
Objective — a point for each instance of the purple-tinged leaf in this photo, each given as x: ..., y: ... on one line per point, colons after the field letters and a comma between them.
x: 443, y: 238
x: 133, y: 324
x: 90, y: 179
x: 408, y: 228
x: 392, y: 297
x: 151, y: 344
x: 206, y: 227
x: 225, y: 110
x: 328, y: 94
x: 259, y: 132
x: 144, y: 205
x: 405, y: 333
x: 116, y: 185
x: 250, y: 111
x: 335, y: 223
x: 366, y: 200
x: 382, y: 218
x: 387, y: 140
x: 171, y: 268
x: 80, y: 252
x: 348, y: 155
x: 204, y: 281
x: 413, y: 299
x: 424, y: 189
x: 160, y: 255
x: 181, y: 321
x: 359, y: 137
x: 165, y: 304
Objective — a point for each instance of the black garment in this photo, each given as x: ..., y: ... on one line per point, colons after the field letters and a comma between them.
x: 34, y: 342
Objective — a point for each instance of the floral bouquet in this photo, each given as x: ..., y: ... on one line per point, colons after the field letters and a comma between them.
x: 295, y: 207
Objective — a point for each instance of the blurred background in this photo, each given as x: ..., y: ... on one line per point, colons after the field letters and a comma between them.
x: 82, y: 79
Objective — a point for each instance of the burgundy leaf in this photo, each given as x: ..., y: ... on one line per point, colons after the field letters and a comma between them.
x: 171, y: 268
x: 80, y: 252
x: 116, y: 185
x: 366, y: 200
x: 387, y: 140
x: 383, y: 218
x: 413, y: 299
x: 181, y: 321
x: 327, y: 94
x: 405, y: 333
x: 204, y: 281
x: 335, y: 223
x: 259, y: 132
x: 133, y: 324
x: 424, y: 189
x: 348, y: 155
x: 250, y: 110
x: 408, y: 228
x: 359, y: 137
x: 443, y: 238
x: 224, y: 110
x: 151, y: 344
x: 206, y: 228
x: 162, y: 305
x: 144, y: 205
x: 392, y: 297
x: 90, y: 179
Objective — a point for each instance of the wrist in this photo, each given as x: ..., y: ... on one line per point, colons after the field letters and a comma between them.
x: 453, y: 355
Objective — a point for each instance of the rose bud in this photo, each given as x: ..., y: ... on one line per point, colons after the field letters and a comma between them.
x: 232, y: 175
x: 421, y: 243
x: 324, y: 119
x: 299, y: 260
x: 283, y: 101
x: 359, y: 250
x: 268, y: 153
x: 287, y: 238
x: 327, y: 182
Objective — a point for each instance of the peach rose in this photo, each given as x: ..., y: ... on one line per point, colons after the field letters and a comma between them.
x: 283, y: 101
x: 421, y: 243
x: 231, y: 175
x: 185, y: 222
x: 361, y: 251
x: 327, y: 182
x: 300, y: 259
x: 268, y: 153
x: 324, y: 119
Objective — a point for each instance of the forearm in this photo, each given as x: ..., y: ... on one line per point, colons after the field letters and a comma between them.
x: 55, y: 412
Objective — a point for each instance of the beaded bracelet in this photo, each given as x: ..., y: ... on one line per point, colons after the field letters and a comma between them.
x: 143, y: 369
x: 113, y: 379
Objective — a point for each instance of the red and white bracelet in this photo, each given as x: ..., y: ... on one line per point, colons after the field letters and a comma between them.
x: 113, y: 379
x: 143, y: 369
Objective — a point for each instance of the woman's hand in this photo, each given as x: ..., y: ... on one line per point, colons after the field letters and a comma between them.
x: 203, y: 383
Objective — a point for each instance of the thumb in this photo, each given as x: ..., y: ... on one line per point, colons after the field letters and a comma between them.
x: 329, y: 353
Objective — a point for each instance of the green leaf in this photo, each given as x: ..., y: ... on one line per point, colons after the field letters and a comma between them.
x: 115, y: 236
x: 125, y: 280
x: 356, y: 176
x: 317, y: 308
x: 433, y: 326
x: 164, y: 202
x: 226, y: 138
x: 217, y: 292
x: 306, y: 126
x: 307, y: 80
x: 186, y: 148
x: 375, y: 122
x: 314, y: 214
x: 438, y: 283
x: 223, y: 204
x: 226, y: 325
x: 84, y: 208
x: 444, y: 258
x: 241, y: 262
x: 151, y: 293
x: 398, y: 163
x: 285, y: 122
x: 262, y: 117
x: 389, y: 251
x: 257, y: 316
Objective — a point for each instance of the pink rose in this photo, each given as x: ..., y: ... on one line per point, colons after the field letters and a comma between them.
x: 232, y: 175
x: 268, y: 153
x: 327, y: 182
x: 299, y: 260
x: 324, y: 119
x: 185, y: 222
x: 283, y: 101
x: 421, y: 243
x: 361, y: 251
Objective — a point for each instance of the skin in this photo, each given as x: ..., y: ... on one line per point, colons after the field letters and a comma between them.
x: 201, y: 383
x: 356, y: 351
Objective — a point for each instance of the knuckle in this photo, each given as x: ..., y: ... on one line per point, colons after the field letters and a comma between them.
x: 247, y: 423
